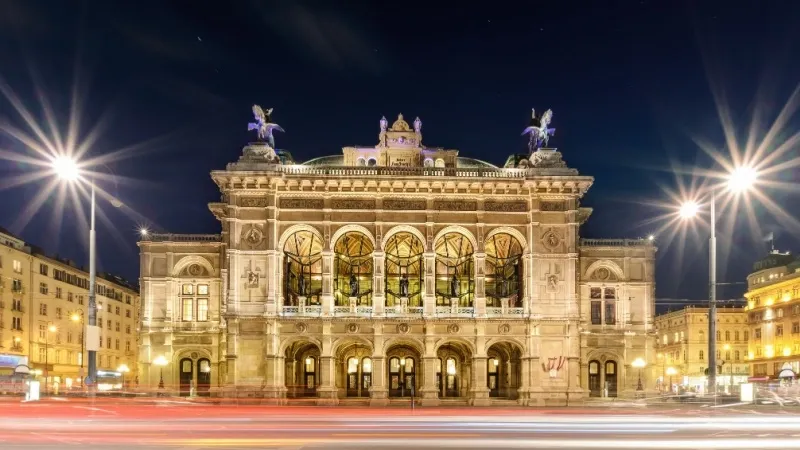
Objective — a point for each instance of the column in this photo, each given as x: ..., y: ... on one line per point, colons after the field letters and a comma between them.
x: 529, y: 294
x: 230, y: 354
x: 429, y: 395
x: 327, y: 283
x: 480, y: 285
x: 326, y: 392
x: 479, y: 391
x: 273, y: 283
x: 378, y: 392
x: 378, y: 294
x: 429, y: 293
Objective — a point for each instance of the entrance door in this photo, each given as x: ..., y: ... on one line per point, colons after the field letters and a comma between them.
x: 395, y: 382
x: 594, y: 379
x: 450, y: 378
x: 310, y: 377
x: 352, y: 377
x: 611, y: 378
x: 203, y: 377
x: 186, y: 376
x: 366, y: 376
x: 492, y: 378
x: 401, y: 377
x: 409, y: 380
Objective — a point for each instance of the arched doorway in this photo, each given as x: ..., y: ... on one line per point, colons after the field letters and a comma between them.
x: 504, y: 370
x: 503, y: 270
x: 403, y: 269
x: 453, y: 370
x: 302, y: 276
x: 185, y: 376
x: 454, y: 270
x: 353, y: 269
x: 355, y: 373
x: 611, y: 378
x: 402, y: 362
x: 203, y: 377
x: 302, y: 369
x: 595, y: 389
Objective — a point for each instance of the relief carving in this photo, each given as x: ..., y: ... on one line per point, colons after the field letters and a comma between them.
x: 409, y: 205
x: 505, y: 206
x: 551, y: 240
x: 340, y: 203
x: 252, y: 236
x: 455, y: 205
x: 301, y: 203
x: 253, y: 202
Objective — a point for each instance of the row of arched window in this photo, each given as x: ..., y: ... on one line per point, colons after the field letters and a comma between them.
x: 404, y: 269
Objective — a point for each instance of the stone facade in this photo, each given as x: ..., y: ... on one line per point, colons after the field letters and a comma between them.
x: 398, y: 270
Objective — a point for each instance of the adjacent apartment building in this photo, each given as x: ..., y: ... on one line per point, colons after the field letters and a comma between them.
x: 773, y: 305
x: 683, y: 348
x: 43, y: 305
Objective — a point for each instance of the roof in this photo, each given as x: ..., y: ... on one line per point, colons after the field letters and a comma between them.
x: 338, y: 160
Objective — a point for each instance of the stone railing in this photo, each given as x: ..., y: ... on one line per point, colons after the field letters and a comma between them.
x: 172, y: 237
x: 615, y: 242
x: 399, y: 311
x: 368, y: 172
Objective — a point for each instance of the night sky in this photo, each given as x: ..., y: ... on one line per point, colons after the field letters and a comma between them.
x: 631, y: 86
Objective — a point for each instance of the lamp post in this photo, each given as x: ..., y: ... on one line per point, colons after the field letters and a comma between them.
x: 75, y: 317
x: 639, y: 363
x: 671, y: 371
x: 161, y: 361
x: 50, y: 329
x: 402, y: 377
x: 740, y: 180
x: 123, y: 369
x: 68, y: 170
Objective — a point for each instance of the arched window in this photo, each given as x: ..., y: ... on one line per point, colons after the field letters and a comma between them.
x: 454, y: 270
x: 594, y: 379
x: 361, y: 161
x: 302, y: 276
x: 503, y: 270
x: 372, y: 162
x: 428, y: 162
x: 404, y: 269
x: 353, y: 269
x: 439, y: 162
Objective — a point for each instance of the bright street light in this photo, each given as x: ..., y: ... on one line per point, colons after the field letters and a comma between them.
x: 66, y: 168
x: 143, y: 232
x: 689, y: 209
x: 639, y: 363
x: 52, y: 328
x: 742, y: 179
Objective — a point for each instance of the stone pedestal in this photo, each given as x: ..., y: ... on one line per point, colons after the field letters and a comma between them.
x: 378, y: 396
x: 301, y: 304
x: 353, y: 301
x: 404, y: 305
x: 327, y: 396
x: 504, y: 302
x: 454, y: 305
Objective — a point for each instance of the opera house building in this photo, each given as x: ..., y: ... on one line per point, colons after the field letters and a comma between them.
x: 397, y: 271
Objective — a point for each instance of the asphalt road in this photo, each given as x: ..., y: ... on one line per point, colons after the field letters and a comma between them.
x: 170, y: 425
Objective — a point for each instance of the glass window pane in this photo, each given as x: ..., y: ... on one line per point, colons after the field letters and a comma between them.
x: 187, y: 289
x: 451, y: 366
x: 394, y: 365
x: 352, y: 365
x: 310, y: 364
x: 202, y: 309
x: 366, y: 365
x: 439, y: 366
x: 493, y: 364
x: 409, y: 365
x: 202, y: 289
x: 188, y: 309
x: 610, y: 293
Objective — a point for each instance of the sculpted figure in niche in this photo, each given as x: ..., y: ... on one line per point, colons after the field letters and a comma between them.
x: 454, y: 290
x: 503, y: 288
x: 252, y: 279
x: 384, y: 123
x: 552, y: 282
x: 404, y: 285
x: 353, y: 285
x: 301, y: 285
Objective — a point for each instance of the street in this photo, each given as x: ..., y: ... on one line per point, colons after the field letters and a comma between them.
x: 170, y: 424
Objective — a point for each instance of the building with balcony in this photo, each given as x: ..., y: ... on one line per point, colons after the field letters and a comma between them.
x: 43, y: 303
x: 773, y: 307
x: 682, y: 346
x: 398, y: 270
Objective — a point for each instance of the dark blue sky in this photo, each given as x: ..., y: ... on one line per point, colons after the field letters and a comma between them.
x: 630, y: 84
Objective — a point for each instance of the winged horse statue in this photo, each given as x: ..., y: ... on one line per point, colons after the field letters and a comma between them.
x: 264, y: 125
x: 538, y: 131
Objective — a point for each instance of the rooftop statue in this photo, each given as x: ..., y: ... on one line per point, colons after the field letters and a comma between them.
x: 538, y: 131
x: 264, y: 125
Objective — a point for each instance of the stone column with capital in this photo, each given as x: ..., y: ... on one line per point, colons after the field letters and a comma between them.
x: 378, y: 293
x: 429, y: 291
x: 327, y: 283
x: 480, y: 285
x: 479, y: 390
x: 326, y: 392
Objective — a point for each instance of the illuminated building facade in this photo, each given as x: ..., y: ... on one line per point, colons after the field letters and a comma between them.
x: 397, y: 270
x: 682, y: 345
x: 773, y: 306
x: 43, y: 303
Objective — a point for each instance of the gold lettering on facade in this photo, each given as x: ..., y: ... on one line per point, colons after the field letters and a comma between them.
x: 253, y: 202
x: 301, y: 203
x: 505, y: 206
x: 455, y: 205
x: 409, y: 205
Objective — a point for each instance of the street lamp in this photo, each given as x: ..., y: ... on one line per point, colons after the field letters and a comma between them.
x: 68, y: 170
x: 402, y: 377
x: 50, y: 329
x: 670, y: 372
x: 639, y: 363
x: 161, y: 361
x: 143, y: 232
x: 739, y: 180
x: 123, y: 369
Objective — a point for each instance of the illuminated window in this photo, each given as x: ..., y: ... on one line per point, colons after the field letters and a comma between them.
x: 188, y: 310
x: 503, y: 269
x: 202, y: 309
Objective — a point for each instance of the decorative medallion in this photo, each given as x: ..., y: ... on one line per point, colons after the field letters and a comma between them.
x: 504, y: 328
x: 194, y: 355
x: 602, y: 273
x: 195, y: 270
x: 301, y: 327
x: 352, y: 328
x: 403, y: 328
x: 252, y: 236
x: 453, y: 328
x: 551, y: 240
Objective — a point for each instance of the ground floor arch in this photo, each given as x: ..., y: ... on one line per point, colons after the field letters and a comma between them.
x: 354, y: 369
x: 195, y: 371
x: 603, y: 377
x: 403, y: 362
x: 453, y: 369
x: 503, y: 369
x: 302, y: 359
